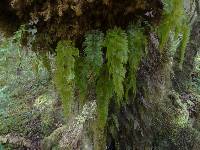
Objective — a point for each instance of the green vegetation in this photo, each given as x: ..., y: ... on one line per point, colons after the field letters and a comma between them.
x: 27, y: 96
x: 137, y: 46
x: 102, y: 68
x: 174, y: 20
x: 196, y: 76
x: 64, y: 76
x: 117, y: 56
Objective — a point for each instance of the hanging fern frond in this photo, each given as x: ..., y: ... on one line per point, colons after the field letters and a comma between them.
x: 173, y: 18
x: 137, y: 44
x: 116, y: 43
x: 93, y: 50
x: 91, y: 64
x: 104, y: 92
x: 64, y: 75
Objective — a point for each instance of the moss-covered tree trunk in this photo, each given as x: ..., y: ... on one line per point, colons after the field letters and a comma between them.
x: 144, y: 112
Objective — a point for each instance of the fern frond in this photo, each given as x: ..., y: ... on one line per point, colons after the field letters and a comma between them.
x: 64, y: 75
x: 137, y: 45
x: 91, y: 63
x: 173, y: 17
x: 116, y: 43
x: 81, y: 78
x: 93, y: 49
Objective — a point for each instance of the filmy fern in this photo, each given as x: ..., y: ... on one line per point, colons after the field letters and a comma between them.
x: 116, y: 43
x: 64, y: 75
x: 137, y: 44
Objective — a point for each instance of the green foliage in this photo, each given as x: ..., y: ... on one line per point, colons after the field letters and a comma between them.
x: 183, y: 44
x: 64, y: 75
x: 104, y: 92
x: 88, y: 67
x: 174, y: 20
x: 46, y: 61
x: 116, y: 43
x: 93, y: 50
x: 81, y: 78
x: 23, y: 78
x: 137, y: 45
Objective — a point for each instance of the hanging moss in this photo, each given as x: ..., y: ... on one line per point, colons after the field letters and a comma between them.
x: 64, y: 75
x: 104, y: 92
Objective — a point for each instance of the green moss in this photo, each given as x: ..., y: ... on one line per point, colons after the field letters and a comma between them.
x: 64, y: 75
x: 104, y: 92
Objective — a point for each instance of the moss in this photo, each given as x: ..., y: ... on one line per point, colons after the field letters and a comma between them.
x: 64, y: 76
x: 53, y: 140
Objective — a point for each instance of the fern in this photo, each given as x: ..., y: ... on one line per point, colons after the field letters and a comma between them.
x: 91, y: 63
x: 116, y: 43
x: 173, y: 18
x: 104, y: 92
x: 137, y: 44
x: 93, y: 44
x: 64, y: 75
x: 81, y: 78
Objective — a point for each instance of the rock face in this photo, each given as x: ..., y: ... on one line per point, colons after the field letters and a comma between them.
x: 70, y: 19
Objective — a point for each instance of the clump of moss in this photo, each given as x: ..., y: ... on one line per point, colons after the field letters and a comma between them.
x: 64, y: 77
